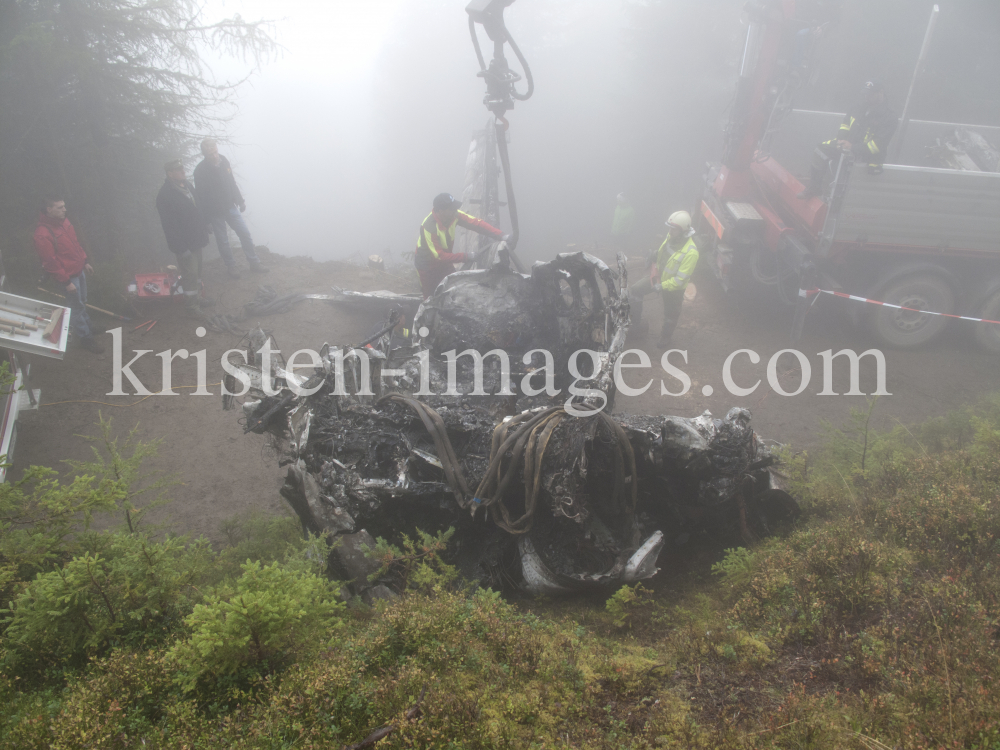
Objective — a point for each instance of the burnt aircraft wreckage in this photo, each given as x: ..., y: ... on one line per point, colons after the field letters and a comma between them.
x: 538, y: 498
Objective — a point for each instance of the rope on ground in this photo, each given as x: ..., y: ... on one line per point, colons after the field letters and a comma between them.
x: 134, y: 403
x: 526, y: 437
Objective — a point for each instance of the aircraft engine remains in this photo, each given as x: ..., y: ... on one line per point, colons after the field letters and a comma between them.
x: 538, y: 497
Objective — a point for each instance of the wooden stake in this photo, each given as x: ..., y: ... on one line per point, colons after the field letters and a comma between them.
x: 18, y: 324
x: 19, y: 312
x: 92, y: 307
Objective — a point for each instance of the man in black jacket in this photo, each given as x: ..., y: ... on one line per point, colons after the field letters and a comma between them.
x: 222, y: 203
x: 186, y: 230
x: 865, y: 132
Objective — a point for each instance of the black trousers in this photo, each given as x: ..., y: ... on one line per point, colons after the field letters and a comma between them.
x: 672, y: 302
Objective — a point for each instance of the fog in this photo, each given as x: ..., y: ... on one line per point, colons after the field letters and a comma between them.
x: 342, y: 141
x: 340, y: 144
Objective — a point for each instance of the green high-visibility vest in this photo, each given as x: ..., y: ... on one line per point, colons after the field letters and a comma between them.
x: 676, y: 267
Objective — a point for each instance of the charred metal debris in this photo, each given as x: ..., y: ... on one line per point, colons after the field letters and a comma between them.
x: 964, y: 149
x: 538, y: 498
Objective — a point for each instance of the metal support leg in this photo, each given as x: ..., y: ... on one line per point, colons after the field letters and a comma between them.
x: 24, y: 369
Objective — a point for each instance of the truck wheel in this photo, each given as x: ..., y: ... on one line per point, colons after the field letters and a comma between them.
x: 755, y: 276
x: 903, y: 329
x: 988, y: 334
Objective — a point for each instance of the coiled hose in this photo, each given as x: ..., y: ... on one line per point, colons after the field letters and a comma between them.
x: 526, y: 437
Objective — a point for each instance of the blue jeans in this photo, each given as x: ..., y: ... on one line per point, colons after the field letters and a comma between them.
x: 78, y: 305
x: 235, y: 220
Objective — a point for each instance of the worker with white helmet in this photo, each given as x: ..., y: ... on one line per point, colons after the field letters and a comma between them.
x: 669, y: 273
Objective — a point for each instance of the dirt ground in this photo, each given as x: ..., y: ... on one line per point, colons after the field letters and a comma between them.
x: 223, y: 472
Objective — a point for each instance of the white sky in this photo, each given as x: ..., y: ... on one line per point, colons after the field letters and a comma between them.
x: 341, y: 143
x: 339, y: 37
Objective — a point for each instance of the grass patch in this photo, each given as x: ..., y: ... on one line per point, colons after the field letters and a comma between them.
x: 873, y: 624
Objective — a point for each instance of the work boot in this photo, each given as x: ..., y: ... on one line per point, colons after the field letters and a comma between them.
x: 91, y: 345
x: 258, y: 268
x: 233, y: 272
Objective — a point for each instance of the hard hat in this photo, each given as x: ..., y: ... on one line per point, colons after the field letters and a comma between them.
x: 874, y: 87
x: 680, y: 220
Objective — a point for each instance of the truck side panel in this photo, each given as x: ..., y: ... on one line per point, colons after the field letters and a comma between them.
x: 937, y: 210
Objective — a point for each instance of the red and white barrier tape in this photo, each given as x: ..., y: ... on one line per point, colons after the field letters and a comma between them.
x: 814, y: 292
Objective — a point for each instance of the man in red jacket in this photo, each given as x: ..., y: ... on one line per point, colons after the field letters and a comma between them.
x: 66, y: 261
x: 434, y: 257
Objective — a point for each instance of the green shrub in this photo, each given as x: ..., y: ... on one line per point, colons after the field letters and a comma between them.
x: 40, y: 518
x: 625, y: 603
x: 121, y: 463
x: 43, y: 521
x: 135, y: 592
x: 118, y: 703
x: 417, y: 563
x: 735, y: 567
x: 256, y: 535
x: 495, y: 677
x: 269, y: 616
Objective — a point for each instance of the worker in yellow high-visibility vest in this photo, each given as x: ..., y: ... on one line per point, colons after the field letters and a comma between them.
x: 434, y: 257
x: 669, y: 274
x: 865, y: 132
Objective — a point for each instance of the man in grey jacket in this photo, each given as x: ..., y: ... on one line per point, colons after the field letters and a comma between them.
x: 185, y: 229
x: 221, y: 202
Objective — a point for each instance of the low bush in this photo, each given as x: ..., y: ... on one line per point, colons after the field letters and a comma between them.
x: 136, y: 594
x: 872, y: 624
x: 260, y: 622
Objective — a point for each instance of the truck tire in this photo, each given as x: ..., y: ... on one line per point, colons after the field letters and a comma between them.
x: 902, y: 329
x: 754, y: 280
x: 988, y: 334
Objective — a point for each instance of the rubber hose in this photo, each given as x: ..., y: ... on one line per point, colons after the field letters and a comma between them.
x: 508, y: 182
x: 524, y: 64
